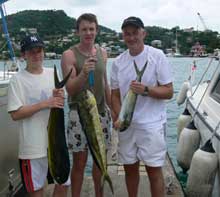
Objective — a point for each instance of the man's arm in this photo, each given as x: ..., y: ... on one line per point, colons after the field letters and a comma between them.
x: 116, y: 102
x: 161, y: 91
x: 75, y: 83
x: 158, y: 92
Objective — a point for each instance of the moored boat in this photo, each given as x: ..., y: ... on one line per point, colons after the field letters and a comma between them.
x: 203, y: 104
x: 10, y: 180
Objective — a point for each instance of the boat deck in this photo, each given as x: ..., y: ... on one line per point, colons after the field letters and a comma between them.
x: 116, y: 173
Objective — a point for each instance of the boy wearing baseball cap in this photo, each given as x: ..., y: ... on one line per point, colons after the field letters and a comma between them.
x: 31, y: 95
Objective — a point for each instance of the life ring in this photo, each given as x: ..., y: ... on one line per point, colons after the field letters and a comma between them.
x: 181, y: 97
x: 183, y: 120
x: 202, y: 172
x: 188, y: 143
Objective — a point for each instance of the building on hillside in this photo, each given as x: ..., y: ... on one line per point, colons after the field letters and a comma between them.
x: 28, y: 30
x: 189, y: 30
x: 156, y: 43
x: 50, y: 55
x: 198, y: 50
x: 32, y: 30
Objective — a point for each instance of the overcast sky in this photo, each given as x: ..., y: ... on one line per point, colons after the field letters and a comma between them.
x: 111, y: 13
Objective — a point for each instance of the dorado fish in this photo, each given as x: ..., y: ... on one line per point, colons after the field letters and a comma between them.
x: 58, y: 155
x: 129, y: 102
x: 91, y: 125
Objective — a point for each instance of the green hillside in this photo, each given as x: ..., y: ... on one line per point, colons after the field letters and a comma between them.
x: 55, y: 27
x: 47, y: 22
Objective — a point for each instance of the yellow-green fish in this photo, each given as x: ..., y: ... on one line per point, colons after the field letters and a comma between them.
x: 89, y: 118
x: 129, y: 102
x: 58, y: 156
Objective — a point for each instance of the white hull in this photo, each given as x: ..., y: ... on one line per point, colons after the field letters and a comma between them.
x: 9, y: 165
x: 204, y: 107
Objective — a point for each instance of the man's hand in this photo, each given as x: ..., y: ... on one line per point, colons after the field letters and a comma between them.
x: 137, y: 87
x: 117, y: 124
x: 89, y: 65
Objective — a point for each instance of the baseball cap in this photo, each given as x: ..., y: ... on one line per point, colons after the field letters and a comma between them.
x: 133, y: 21
x: 30, y: 42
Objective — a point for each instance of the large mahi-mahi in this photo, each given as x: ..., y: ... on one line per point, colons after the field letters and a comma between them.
x: 91, y: 125
x: 129, y: 102
x: 58, y: 156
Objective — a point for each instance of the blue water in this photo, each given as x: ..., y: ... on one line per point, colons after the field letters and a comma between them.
x: 180, y: 73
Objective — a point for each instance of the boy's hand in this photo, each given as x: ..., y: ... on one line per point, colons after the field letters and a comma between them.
x: 117, y: 124
x: 58, y: 92
x: 89, y: 65
x: 57, y: 100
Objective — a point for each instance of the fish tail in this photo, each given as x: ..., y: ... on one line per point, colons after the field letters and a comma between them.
x: 59, y: 84
x: 140, y: 72
x: 107, y: 178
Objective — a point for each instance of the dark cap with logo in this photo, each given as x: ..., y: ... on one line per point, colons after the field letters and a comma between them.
x: 132, y: 21
x: 30, y: 42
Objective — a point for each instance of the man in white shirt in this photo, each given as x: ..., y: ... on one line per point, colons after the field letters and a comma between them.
x: 31, y: 95
x: 144, y: 140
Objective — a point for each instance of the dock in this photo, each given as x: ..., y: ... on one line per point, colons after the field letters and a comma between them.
x: 116, y: 172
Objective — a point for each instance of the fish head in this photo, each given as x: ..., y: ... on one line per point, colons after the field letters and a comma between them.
x: 124, y: 125
x: 85, y: 99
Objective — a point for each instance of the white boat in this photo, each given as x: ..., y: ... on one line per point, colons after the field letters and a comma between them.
x: 10, y: 180
x: 203, y: 104
x: 174, y: 52
x: 177, y: 51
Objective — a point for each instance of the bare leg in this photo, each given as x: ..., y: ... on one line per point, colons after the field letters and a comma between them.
x: 77, y: 174
x: 156, y: 181
x: 96, y: 174
x: 38, y: 193
x: 60, y: 191
x: 132, y: 178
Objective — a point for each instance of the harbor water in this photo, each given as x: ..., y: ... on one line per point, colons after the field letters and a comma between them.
x: 181, y: 69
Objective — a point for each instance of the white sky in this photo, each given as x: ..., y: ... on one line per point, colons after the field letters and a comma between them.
x: 111, y: 13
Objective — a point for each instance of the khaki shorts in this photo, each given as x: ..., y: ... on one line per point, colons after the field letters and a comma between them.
x: 76, y: 138
x: 34, y: 173
x: 143, y: 144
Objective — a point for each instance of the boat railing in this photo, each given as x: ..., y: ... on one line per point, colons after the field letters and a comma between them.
x: 9, y: 69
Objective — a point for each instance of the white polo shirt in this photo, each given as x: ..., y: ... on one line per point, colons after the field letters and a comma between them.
x: 148, y: 110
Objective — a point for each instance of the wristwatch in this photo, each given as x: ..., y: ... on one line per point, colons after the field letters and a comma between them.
x: 146, y: 91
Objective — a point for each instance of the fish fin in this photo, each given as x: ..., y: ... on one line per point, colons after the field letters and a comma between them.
x: 59, y: 84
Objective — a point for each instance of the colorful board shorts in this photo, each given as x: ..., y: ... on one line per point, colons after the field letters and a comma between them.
x: 76, y: 138
x: 34, y: 173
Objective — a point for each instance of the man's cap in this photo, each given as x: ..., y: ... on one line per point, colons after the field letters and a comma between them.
x: 133, y: 21
x: 30, y: 42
